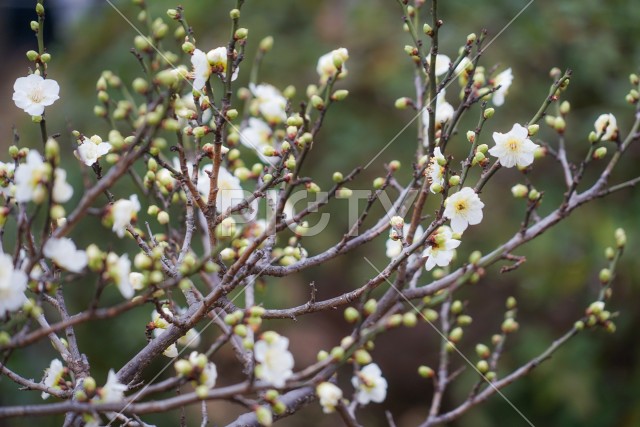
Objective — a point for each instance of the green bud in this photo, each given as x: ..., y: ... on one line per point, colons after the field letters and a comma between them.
x: 464, y: 320
x: 35, y: 26
x: 482, y: 366
x: 232, y: 114
x: 337, y: 353
x: 317, y: 102
x: 32, y: 55
x: 45, y: 57
x: 488, y: 113
x: 426, y: 28
x: 511, y: 303
x: 394, y: 321
x: 394, y: 165
x: 534, y: 195
x: 430, y: 315
x: 340, y: 95
x: 337, y: 177
x: 593, y: 137
x: 425, y: 371
x: 565, y: 107
x: 264, y: 416
x: 621, y: 237
x: 351, y: 315
x: 266, y: 44
x: 343, y: 193
x: 474, y: 257
x: 378, y: 183
x: 600, y: 153
x: 456, y: 334
x: 322, y: 355
x: 609, y: 253
x: 483, y: 351
x: 409, y: 319
x: 579, y: 325
x: 519, y: 191
x: 456, y: 307
x: 509, y: 325
x: 362, y: 357
x: 241, y: 34
x: 40, y: 9
x: 559, y: 124
x: 234, y: 14
x: 289, y: 92
x: 370, y: 306
x: 402, y: 103
x: 533, y: 129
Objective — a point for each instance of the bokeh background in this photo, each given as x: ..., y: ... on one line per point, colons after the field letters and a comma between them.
x: 592, y: 381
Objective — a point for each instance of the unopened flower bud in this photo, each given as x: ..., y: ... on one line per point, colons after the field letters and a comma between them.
x: 534, y: 195
x: 351, y: 315
x: 362, y: 357
x: 600, y: 153
x: 621, y: 237
x: 340, y: 95
x: 241, y: 33
x: 402, y: 103
x: 344, y: 193
x: 266, y: 44
x: 32, y: 55
x: 488, y: 113
x: 425, y: 371
x: 317, y: 102
x: 45, y: 57
x: 409, y: 319
x: 456, y: 334
x: 264, y: 416
x: 565, y: 107
x: 482, y: 366
x: 430, y: 315
x: 471, y: 136
x: 394, y: 165
x: 509, y: 325
x: 559, y: 124
x: 533, y: 129
x: 426, y: 28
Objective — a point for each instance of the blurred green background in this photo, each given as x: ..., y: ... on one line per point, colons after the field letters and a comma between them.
x: 593, y: 381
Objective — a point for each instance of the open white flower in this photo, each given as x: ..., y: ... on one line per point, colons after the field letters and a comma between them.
x: 257, y: 136
x: 201, y: 69
x: 190, y: 339
x: 136, y: 280
x: 394, y: 247
x: 435, y: 172
x: 444, y: 113
x: 90, y: 151
x: 275, y: 360
x: 326, y: 67
x: 52, y: 376
x: 463, y: 208
x: 33, y: 93
x: 113, y: 390
x: 209, y: 375
x: 119, y: 268
x: 371, y: 386
x: 330, y: 395
x: 29, y: 178
x: 62, y: 251
x: 13, y: 283
x: 124, y: 211
x: 62, y: 190
x: 607, y: 127
x: 514, y: 148
x: 218, y: 60
x: 441, y: 248
x: 269, y: 102
x: 230, y: 191
x: 504, y: 80
x: 442, y: 63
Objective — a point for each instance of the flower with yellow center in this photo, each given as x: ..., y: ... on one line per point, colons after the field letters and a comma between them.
x: 33, y: 93
x: 463, y: 208
x: 514, y: 148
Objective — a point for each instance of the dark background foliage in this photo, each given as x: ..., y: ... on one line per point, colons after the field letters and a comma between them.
x: 593, y: 381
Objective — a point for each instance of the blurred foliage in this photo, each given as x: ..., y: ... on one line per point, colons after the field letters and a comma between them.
x: 592, y: 381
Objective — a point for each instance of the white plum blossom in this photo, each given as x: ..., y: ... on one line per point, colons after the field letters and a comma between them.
x: 435, y: 172
x: 326, y: 67
x: 123, y: 212
x: 190, y: 339
x: 230, y: 191
x: 31, y: 176
x: 371, y: 386
x: 463, y: 208
x: 441, y: 248
x: 91, y: 150
x: 62, y: 190
x: 442, y: 63
x: 52, y: 376
x: 113, y: 390
x: 463, y: 65
x: 209, y: 373
x: 514, y: 148
x: 504, y: 80
x: 329, y: 395
x: 275, y: 360
x: 13, y: 283
x: 119, y: 268
x: 257, y: 136
x: 218, y: 60
x: 186, y: 109
x: 136, y: 280
x: 62, y: 251
x: 606, y: 127
x: 269, y: 102
x: 201, y: 69
x: 394, y: 247
x: 444, y: 113
x: 33, y: 93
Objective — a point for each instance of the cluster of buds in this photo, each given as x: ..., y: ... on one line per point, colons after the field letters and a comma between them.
x: 244, y: 322
x: 197, y: 369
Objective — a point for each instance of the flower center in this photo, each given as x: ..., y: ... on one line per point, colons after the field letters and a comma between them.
x: 461, y: 206
x: 36, y: 95
x: 513, y: 144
